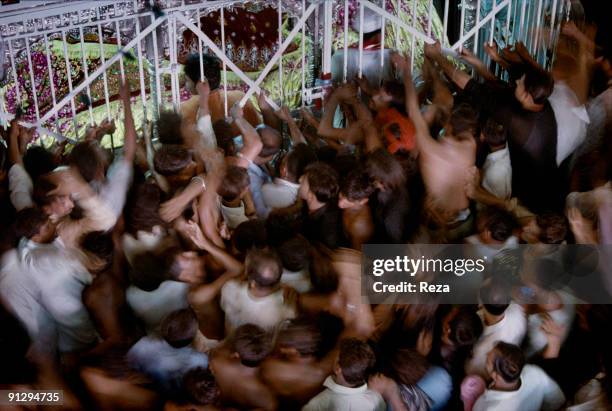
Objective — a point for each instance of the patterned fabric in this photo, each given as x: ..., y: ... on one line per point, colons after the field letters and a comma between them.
x: 414, y: 398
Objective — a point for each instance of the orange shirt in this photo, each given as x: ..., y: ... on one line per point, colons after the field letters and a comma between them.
x: 398, y: 130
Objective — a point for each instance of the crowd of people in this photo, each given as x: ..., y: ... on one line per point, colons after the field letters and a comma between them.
x: 215, y: 263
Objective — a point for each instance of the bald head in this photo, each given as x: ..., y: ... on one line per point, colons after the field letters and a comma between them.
x: 264, y: 267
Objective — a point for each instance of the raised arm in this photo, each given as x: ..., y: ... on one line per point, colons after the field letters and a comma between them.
x: 129, y: 143
x: 252, y: 142
x: 296, y: 134
x: 206, y: 137
x: 423, y: 139
x: 478, y: 65
x: 20, y: 183
x: 269, y: 117
x: 434, y: 52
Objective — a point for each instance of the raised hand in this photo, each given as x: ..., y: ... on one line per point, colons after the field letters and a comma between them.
x: 492, y: 50
x: 432, y: 50
x: 347, y: 91
x: 124, y: 91
x: 284, y: 114
x: 236, y: 111
x: 262, y: 101
x: 203, y: 88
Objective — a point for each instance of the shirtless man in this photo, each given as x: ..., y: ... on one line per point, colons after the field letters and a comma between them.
x: 444, y: 163
x: 356, y: 215
x: 236, y: 367
x: 298, y: 370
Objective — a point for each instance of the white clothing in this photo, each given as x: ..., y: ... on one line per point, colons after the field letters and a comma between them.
x: 340, y: 398
x: 143, y: 242
x: 61, y: 279
x: 572, y: 120
x: 537, y: 392
x: 241, y: 307
x: 497, y: 174
x: 233, y: 216
x: 280, y: 193
x: 20, y: 187
x: 298, y: 280
x: 536, y: 338
x: 153, y: 306
x: 165, y: 364
x: 511, y: 329
x: 113, y: 191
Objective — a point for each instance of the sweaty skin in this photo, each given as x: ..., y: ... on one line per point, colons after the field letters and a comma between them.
x: 358, y: 225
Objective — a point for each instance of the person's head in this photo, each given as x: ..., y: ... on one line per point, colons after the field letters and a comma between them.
x: 200, y: 387
x: 533, y: 89
x: 355, y: 190
x: 493, y: 134
x: 142, y: 208
x: 251, y: 344
x: 149, y: 269
x: 272, y: 142
x: 385, y: 171
x: 299, y: 338
x: 249, y: 234
x: 89, y: 159
x: 586, y: 207
x: 179, y: 328
x: 547, y: 228
x: 505, y: 363
x: 212, y: 71
x: 176, y: 163
x: 295, y: 162
x: 461, y: 327
x: 56, y: 206
x: 282, y: 224
x: 463, y: 122
x: 99, y: 250
x: 263, y: 269
x: 407, y: 366
x: 495, y: 297
x: 319, y: 184
x: 235, y: 183
x: 32, y: 223
x: 391, y: 94
x: 355, y: 362
x: 224, y: 134
x: 295, y: 253
x: 38, y: 161
x: 169, y: 127
x: 494, y: 225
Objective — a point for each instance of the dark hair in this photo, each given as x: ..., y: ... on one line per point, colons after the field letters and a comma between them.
x: 86, y: 157
x: 408, y: 366
x: 495, y: 296
x: 539, y: 84
x: 355, y: 359
x: 282, y: 224
x: 263, y: 266
x: 381, y: 166
x: 100, y: 244
x: 301, y: 334
x: 142, y: 208
x: 494, y: 133
x: 211, y: 65
x: 150, y: 269
x: 201, y: 387
x: 235, y: 181
x: 509, y: 361
x: 464, y: 119
x: 466, y: 327
x: 179, y: 328
x: 251, y: 233
x: 322, y: 181
x: 395, y: 89
x: 553, y: 228
x: 295, y: 253
x: 252, y: 343
x: 40, y: 192
x: 37, y: 161
x: 272, y: 141
x: 171, y: 159
x: 298, y: 159
x: 168, y: 126
x: 499, y: 222
x: 225, y: 137
x: 29, y: 221
x: 357, y: 186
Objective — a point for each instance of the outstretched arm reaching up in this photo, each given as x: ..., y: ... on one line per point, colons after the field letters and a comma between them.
x: 434, y: 52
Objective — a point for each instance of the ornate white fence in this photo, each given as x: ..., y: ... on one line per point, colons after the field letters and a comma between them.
x: 149, y: 36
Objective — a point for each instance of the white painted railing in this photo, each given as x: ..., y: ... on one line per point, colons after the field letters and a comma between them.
x: 154, y: 44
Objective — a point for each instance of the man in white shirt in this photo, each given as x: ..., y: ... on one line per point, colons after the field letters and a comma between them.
x: 347, y: 389
x: 259, y: 300
x: 502, y: 321
x: 516, y: 386
x: 496, y: 170
x: 283, y: 191
x: 572, y: 120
